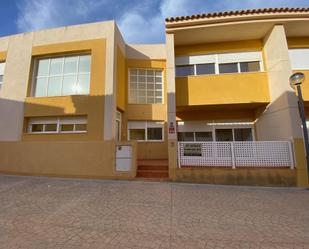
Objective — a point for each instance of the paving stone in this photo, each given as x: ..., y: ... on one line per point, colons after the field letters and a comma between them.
x: 39, y: 212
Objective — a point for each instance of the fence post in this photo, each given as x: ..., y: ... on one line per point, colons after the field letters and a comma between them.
x: 291, y: 155
x: 233, y: 156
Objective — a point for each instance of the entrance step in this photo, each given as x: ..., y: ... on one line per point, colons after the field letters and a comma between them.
x: 152, y: 169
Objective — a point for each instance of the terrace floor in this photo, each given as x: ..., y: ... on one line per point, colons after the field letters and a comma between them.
x: 39, y: 212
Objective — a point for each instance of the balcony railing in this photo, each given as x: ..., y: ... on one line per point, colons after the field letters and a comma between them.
x: 267, y: 154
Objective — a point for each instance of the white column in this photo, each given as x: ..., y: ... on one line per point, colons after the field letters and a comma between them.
x: 280, y: 120
x: 171, y: 89
x: 14, y: 89
x: 110, y: 88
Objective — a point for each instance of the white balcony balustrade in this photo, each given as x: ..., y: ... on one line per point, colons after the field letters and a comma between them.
x: 263, y: 154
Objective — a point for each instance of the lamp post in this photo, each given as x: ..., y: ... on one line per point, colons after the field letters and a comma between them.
x: 297, y: 79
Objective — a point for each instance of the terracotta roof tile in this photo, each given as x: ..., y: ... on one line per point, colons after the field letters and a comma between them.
x: 236, y: 13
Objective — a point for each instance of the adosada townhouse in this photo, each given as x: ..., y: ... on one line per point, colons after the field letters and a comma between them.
x: 213, y: 104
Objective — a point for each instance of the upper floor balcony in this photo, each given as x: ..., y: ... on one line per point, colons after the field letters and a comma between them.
x: 221, y: 79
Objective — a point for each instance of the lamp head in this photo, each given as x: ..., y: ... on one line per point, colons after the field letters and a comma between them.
x: 297, y: 79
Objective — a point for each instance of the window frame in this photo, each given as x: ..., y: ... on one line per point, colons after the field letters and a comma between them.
x: 145, y: 125
x: 214, y: 59
x: 204, y: 126
x: 62, y: 56
x: 162, y: 84
x: 58, y: 121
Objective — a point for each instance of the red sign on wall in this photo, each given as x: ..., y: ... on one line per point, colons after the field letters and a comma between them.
x: 171, y: 128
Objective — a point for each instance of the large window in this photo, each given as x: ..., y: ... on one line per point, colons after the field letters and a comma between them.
x: 145, y: 86
x: 234, y: 134
x: 2, y: 65
x: 58, y: 125
x: 145, y: 130
x: 219, y: 63
x: 211, y: 131
x: 205, y: 136
x: 69, y: 75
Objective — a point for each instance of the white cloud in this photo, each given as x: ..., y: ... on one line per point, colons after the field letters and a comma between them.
x: 174, y: 8
x: 39, y: 14
x: 149, y: 28
x: 139, y: 21
x: 136, y: 26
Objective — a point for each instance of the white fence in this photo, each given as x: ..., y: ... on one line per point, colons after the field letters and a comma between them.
x: 271, y: 154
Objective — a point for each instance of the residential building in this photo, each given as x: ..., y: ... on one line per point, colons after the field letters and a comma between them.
x: 213, y: 104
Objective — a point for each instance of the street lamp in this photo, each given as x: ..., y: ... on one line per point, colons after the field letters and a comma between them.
x: 297, y: 79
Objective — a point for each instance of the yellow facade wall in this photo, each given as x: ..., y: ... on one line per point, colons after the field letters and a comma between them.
x: 2, y: 56
x: 300, y: 161
x: 230, y: 113
x: 220, y: 47
x: 144, y: 112
x: 246, y: 176
x: 91, y: 105
x: 121, y: 81
x: 89, y: 159
x: 148, y: 111
x: 250, y: 88
x: 305, y: 86
x: 298, y: 42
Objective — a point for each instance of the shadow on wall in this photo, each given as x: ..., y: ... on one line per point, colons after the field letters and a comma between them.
x: 37, y: 155
x: 78, y: 105
x: 280, y: 120
x: 12, y: 119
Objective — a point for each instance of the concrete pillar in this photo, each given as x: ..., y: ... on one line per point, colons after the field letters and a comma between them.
x: 280, y: 120
x: 171, y: 106
x: 110, y: 87
x: 14, y: 89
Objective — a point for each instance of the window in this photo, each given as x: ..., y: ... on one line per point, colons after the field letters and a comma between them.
x: 69, y: 75
x: 234, y: 134
x: 58, y: 125
x: 137, y: 134
x: 224, y: 135
x: 209, y: 64
x: 145, y: 86
x: 184, y: 70
x: 201, y: 136
x: 145, y: 131
x: 2, y: 65
x: 186, y: 136
x: 243, y: 134
x: 252, y: 66
x: 228, y: 68
x: 205, y: 131
x: 205, y: 68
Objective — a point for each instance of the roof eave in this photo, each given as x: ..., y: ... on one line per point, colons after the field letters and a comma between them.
x: 226, y: 20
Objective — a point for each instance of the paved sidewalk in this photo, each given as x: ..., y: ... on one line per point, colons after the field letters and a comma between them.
x: 62, y: 213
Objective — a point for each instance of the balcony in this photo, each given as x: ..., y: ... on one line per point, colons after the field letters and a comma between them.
x: 249, y: 89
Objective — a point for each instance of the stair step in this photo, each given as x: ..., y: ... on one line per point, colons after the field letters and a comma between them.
x: 152, y: 167
x: 152, y: 174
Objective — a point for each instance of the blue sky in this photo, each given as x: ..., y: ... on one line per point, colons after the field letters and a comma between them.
x: 140, y: 21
